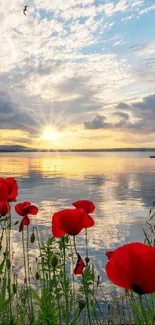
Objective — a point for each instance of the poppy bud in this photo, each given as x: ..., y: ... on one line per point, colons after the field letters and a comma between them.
x: 54, y: 260
x: 32, y: 238
x: 98, y: 280
x: 37, y: 276
x: 87, y: 259
x: 81, y: 305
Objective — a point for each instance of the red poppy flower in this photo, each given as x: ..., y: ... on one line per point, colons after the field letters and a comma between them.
x: 4, y: 208
x: 79, y: 265
x: 3, y: 190
x: 23, y: 209
x: 132, y: 267
x: 109, y: 254
x: 70, y: 221
x: 87, y: 205
x: 12, y: 188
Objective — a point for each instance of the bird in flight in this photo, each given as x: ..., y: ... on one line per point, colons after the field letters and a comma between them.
x: 24, y: 10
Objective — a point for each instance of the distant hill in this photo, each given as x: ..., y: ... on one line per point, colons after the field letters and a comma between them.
x: 18, y: 148
x: 14, y: 148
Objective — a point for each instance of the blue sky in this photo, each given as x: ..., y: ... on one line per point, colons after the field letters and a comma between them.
x: 76, y: 72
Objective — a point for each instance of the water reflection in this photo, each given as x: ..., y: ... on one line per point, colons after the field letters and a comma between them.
x: 121, y: 187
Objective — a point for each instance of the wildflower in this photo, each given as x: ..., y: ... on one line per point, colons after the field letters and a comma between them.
x: 132, y: 267
x: 87, y: 205
x: 4, y: 205
x: 11, y: 188
x: 70, y: 221
x: 23, y: 209
x: 79, y: 265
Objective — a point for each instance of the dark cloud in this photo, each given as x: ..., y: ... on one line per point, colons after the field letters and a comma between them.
x: 123, y: 105
x: 142, y: 111
x: 98, y: 122
x: 122, y: 115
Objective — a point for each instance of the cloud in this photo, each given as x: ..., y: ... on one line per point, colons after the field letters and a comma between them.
x: 122, y: 105
x: 122, y: 115
x: 112, y: 8
x: 140, y: 117
x: 143, y: 113
x: 146, y: 10
x: 98, y: 122
x: 62, y: 65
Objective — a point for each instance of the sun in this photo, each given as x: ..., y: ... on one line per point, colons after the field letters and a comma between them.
x: 50, y: 134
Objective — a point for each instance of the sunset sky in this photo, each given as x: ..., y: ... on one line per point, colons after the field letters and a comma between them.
x: 77, y: 73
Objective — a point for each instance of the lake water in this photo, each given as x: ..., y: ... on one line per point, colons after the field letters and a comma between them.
x: 122, y: 186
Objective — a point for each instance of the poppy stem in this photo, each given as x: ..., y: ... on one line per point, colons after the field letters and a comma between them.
x: 41, y: 255
x: 65, y: 281
x: 72, y: 271
x: 75, y: 245
x: 28, y: 271
x: 58, y: 301
x: 25, y: 268
x: 86, y: 238
x: 85, y: 284
x: 8, y: 248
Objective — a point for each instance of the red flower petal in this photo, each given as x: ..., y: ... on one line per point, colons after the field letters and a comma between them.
x: 21, y: 226
x: 3, y: 190
x: 19, y: 208
x: 69, y: 221
x: 30, y: 209
x: 132, y: 267
x: 57, y: 228
x: 87, y: 205
x: 12, y: 189
x: 26, y: 208
x: 79, y: 265
x: 26, y: 221
x: 109, y: 254
x: 4, y: 208
x: 89, y: 222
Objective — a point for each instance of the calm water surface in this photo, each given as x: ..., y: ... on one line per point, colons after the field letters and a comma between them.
x: 122, y: 186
